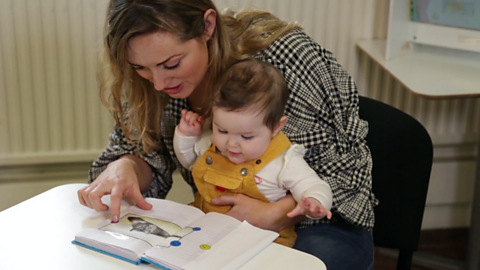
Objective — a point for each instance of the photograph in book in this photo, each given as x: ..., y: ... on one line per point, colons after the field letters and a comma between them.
x: 155, y: 232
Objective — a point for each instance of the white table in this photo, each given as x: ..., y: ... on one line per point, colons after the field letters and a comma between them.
x: 431, y: 72
x: 438, y: 73
x: 37, y: 234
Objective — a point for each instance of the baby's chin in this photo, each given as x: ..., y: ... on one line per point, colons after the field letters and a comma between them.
x: 239, y: 160
x: 236, y: 160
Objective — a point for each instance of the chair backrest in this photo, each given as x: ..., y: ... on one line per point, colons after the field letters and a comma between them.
x: 402, y: 154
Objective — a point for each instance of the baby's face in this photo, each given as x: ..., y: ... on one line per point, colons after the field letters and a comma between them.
x: 240, y: 135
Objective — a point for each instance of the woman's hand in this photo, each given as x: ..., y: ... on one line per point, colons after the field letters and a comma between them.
x: 269, y: 216
x: 121, y: 177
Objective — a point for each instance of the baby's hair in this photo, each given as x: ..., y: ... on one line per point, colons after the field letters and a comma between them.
x: 253, y: 85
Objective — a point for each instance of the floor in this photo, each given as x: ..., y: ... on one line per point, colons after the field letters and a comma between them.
x: 448, y: 243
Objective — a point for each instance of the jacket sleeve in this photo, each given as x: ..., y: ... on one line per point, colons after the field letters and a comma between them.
x: 322, y: 113
x: 160, y: 161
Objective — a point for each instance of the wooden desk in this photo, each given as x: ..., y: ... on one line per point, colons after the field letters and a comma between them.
x: 37, y: 234
x: 438, y: 73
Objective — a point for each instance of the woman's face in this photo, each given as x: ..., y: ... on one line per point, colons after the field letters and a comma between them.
x: 172, y: 66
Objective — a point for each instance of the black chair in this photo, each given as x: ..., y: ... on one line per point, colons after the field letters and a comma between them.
x: 402, y: 155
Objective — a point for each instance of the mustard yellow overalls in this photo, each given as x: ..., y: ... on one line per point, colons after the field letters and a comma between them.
x: 215, y: 175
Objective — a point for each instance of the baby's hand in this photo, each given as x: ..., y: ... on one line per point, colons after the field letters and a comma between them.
x: 191, y: 124
x: 310, y: 207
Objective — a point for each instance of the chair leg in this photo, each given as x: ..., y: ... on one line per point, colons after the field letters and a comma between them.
x: 404, y: 261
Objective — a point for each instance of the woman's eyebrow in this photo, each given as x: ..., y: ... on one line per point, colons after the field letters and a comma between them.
x: 159, y: 64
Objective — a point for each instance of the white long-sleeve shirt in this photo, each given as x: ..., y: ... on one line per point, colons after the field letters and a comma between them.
x: 287, y: 172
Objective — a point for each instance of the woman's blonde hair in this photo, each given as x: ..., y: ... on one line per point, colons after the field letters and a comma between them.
x: 253, y: 30
x: 236, y: 36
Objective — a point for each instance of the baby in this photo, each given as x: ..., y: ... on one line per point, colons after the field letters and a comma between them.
x: 241, y: 148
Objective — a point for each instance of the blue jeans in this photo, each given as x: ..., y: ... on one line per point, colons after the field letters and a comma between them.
x: 339, y: 245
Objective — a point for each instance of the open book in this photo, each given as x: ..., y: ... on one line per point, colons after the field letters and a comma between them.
x: 177, y: 236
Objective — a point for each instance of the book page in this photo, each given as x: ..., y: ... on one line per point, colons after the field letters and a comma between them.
x: 165, y: 222
x: 235, y: 249
x: 138, y: 230
x: 177, y: 213
x: 147, y: 228
x: 207, y: 231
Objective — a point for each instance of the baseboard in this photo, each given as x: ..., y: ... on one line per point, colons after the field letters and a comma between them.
x: 21, y: 182
x: 430, y: 261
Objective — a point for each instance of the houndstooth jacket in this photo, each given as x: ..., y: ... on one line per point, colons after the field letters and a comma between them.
x: 322, y: 113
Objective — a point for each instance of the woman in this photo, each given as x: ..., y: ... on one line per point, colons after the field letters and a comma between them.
x: 162, y: 56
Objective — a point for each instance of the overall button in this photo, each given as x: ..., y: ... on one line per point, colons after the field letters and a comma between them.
x: 209, y: 160
x: 258, y: 161
x: 244, y: 172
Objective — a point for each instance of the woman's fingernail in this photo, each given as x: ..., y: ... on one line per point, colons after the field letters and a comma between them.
x: 115, y: 219
x: 214, y: 200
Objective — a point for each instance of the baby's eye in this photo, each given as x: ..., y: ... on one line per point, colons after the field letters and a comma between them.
x: 222, y: 131
x: 247, y: 137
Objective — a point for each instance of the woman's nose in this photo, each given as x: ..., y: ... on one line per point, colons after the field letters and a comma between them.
x: 160, y: 80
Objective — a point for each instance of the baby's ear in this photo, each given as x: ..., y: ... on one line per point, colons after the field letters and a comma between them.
x: 279, y: 126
